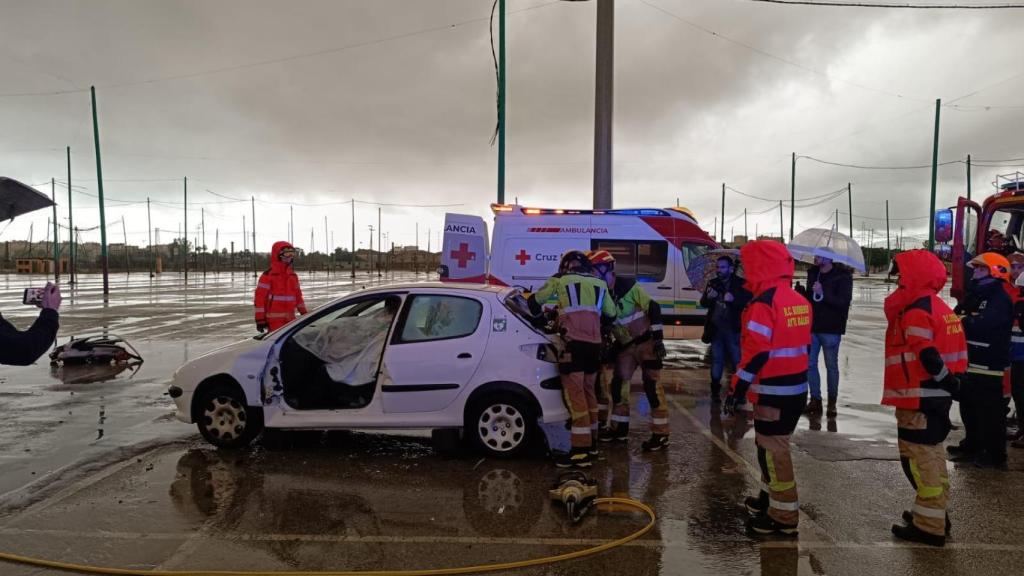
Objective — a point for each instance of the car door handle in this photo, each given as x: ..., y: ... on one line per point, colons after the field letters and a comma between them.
x: 465, y: 355
x: 664, y: 287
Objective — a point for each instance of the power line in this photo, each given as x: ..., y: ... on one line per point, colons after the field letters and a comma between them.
x: 890, y: 5
x: 279, y: 60
x: 779, y: 58
x: 863, y: 167
x: 883, y: 218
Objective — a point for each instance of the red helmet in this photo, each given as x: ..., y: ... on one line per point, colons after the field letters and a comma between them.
x: 601, y: 258
x: 997, y: 264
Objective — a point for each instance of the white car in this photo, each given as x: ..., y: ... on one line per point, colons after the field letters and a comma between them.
x: 422, y: 356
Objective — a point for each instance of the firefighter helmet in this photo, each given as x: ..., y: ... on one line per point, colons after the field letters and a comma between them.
x: 574, y: 261
x: 997, y: 264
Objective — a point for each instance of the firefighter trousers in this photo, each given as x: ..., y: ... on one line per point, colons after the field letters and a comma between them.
x: 578, y: 366
x: 775, y: 419
x: 924, y: 463
x: 983, y: 413
x: 628, y: 360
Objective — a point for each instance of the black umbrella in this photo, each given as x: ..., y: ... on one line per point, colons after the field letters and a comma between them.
x: 17, y: 199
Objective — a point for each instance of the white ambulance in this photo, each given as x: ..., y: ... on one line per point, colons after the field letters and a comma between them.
x: 656, y: 247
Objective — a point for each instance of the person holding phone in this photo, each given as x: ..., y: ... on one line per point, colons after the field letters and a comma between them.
x: 21, y: 348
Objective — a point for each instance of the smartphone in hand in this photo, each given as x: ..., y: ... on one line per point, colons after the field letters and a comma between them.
x: 33, y: 296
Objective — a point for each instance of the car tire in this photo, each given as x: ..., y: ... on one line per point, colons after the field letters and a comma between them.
x: 225, y: 420
x: 500, y: 425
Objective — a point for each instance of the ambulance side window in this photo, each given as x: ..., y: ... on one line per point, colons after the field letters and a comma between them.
x: 651, y: 261
x: 624, y: 252
x: 644, y: 260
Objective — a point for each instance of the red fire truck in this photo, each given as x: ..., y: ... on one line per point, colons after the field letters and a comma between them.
x: 997, y: 225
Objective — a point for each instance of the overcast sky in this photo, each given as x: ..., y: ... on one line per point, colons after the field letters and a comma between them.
x: 393, y: 101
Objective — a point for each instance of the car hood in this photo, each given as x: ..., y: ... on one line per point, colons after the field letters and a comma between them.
x: 223, y: 359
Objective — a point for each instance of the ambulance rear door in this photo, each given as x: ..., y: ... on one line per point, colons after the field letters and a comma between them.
x: 464, y: 256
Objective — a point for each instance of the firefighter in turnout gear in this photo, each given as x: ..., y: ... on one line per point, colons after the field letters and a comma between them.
x: 278, y: 295
x: 639, y: 343
x: 772, y: 374
x: 584, y: 305
x: 987, y: 320
x: 925, y: 352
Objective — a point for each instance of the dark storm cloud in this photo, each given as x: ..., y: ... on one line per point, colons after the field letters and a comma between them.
x: 409, y: 119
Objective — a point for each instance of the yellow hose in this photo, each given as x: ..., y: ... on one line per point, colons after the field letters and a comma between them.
x: 104, y: 571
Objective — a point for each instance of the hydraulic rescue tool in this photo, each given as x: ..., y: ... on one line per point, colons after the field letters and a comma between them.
x: 576, y: 492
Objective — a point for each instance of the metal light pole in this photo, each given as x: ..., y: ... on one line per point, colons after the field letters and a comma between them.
x: 792, y: 196
x: 149, y: 230
x: 71, y: 225
x: 56, y: 234
x: 722, y: 236
x: 935, y: 174
x: 849, y: 197
x: 501, y: 120
x: 603, y: 95
x: 252, y: 201
x: 99, y: 187
x: 354, y: 224
x: 185, y: 238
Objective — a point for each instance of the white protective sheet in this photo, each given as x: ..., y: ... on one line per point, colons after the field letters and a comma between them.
x: 350, y: 346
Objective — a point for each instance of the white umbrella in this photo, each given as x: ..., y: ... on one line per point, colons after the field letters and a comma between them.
x: 827, y: 243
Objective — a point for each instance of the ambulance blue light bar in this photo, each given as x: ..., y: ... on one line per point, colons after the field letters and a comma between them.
x: 515, y: 209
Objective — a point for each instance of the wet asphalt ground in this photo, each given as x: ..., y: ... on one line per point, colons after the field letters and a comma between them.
x: 100, y: 472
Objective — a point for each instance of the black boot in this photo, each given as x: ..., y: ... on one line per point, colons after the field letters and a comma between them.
x: 766, y: 525
x: 912, y: 533
x: 617, y: 433
x: 575, y: 458
x: 908, y: 517
x: 716, y: 392
x: 655, y: 443
x: 757, y: 505
x: 813, y: 407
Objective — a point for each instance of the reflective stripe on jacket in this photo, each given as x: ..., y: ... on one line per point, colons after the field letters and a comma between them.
x: 582, y: 300
x: 776, y: 327
x: 924, y: 339
x: 923, y: 345
x: 776, y: 334
x: 638, y: 314
x: 278, y: 295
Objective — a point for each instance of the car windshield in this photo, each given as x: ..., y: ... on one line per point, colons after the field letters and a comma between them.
x: 520, y: 306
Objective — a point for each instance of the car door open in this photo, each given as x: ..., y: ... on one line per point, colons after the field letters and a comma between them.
x: 435, y: 350
x: 333, y: 361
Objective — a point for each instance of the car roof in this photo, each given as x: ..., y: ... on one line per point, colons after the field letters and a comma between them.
x: 447, y: 286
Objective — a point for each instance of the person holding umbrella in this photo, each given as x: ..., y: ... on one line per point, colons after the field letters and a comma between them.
x: 830, y: 291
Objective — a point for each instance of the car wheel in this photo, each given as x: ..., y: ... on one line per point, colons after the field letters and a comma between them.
x: 500, y: 425
x: 224, y: 418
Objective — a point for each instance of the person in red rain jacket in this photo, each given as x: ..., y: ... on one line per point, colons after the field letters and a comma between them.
x: 772, y: 374
x: 925, y: 352
x: 278, y: 295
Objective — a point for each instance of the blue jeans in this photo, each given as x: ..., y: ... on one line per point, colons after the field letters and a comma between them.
x: 724, y: 343
x: 830, y: 343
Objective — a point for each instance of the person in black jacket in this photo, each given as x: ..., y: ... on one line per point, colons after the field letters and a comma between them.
x: 987, y: 320
x: 830, y: 290
x: 19, y: 348
x: 725, y: 297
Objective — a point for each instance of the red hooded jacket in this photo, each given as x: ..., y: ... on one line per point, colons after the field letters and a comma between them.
x: 776, y: 326
x: 278, y: 295
x: 924, y: 340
